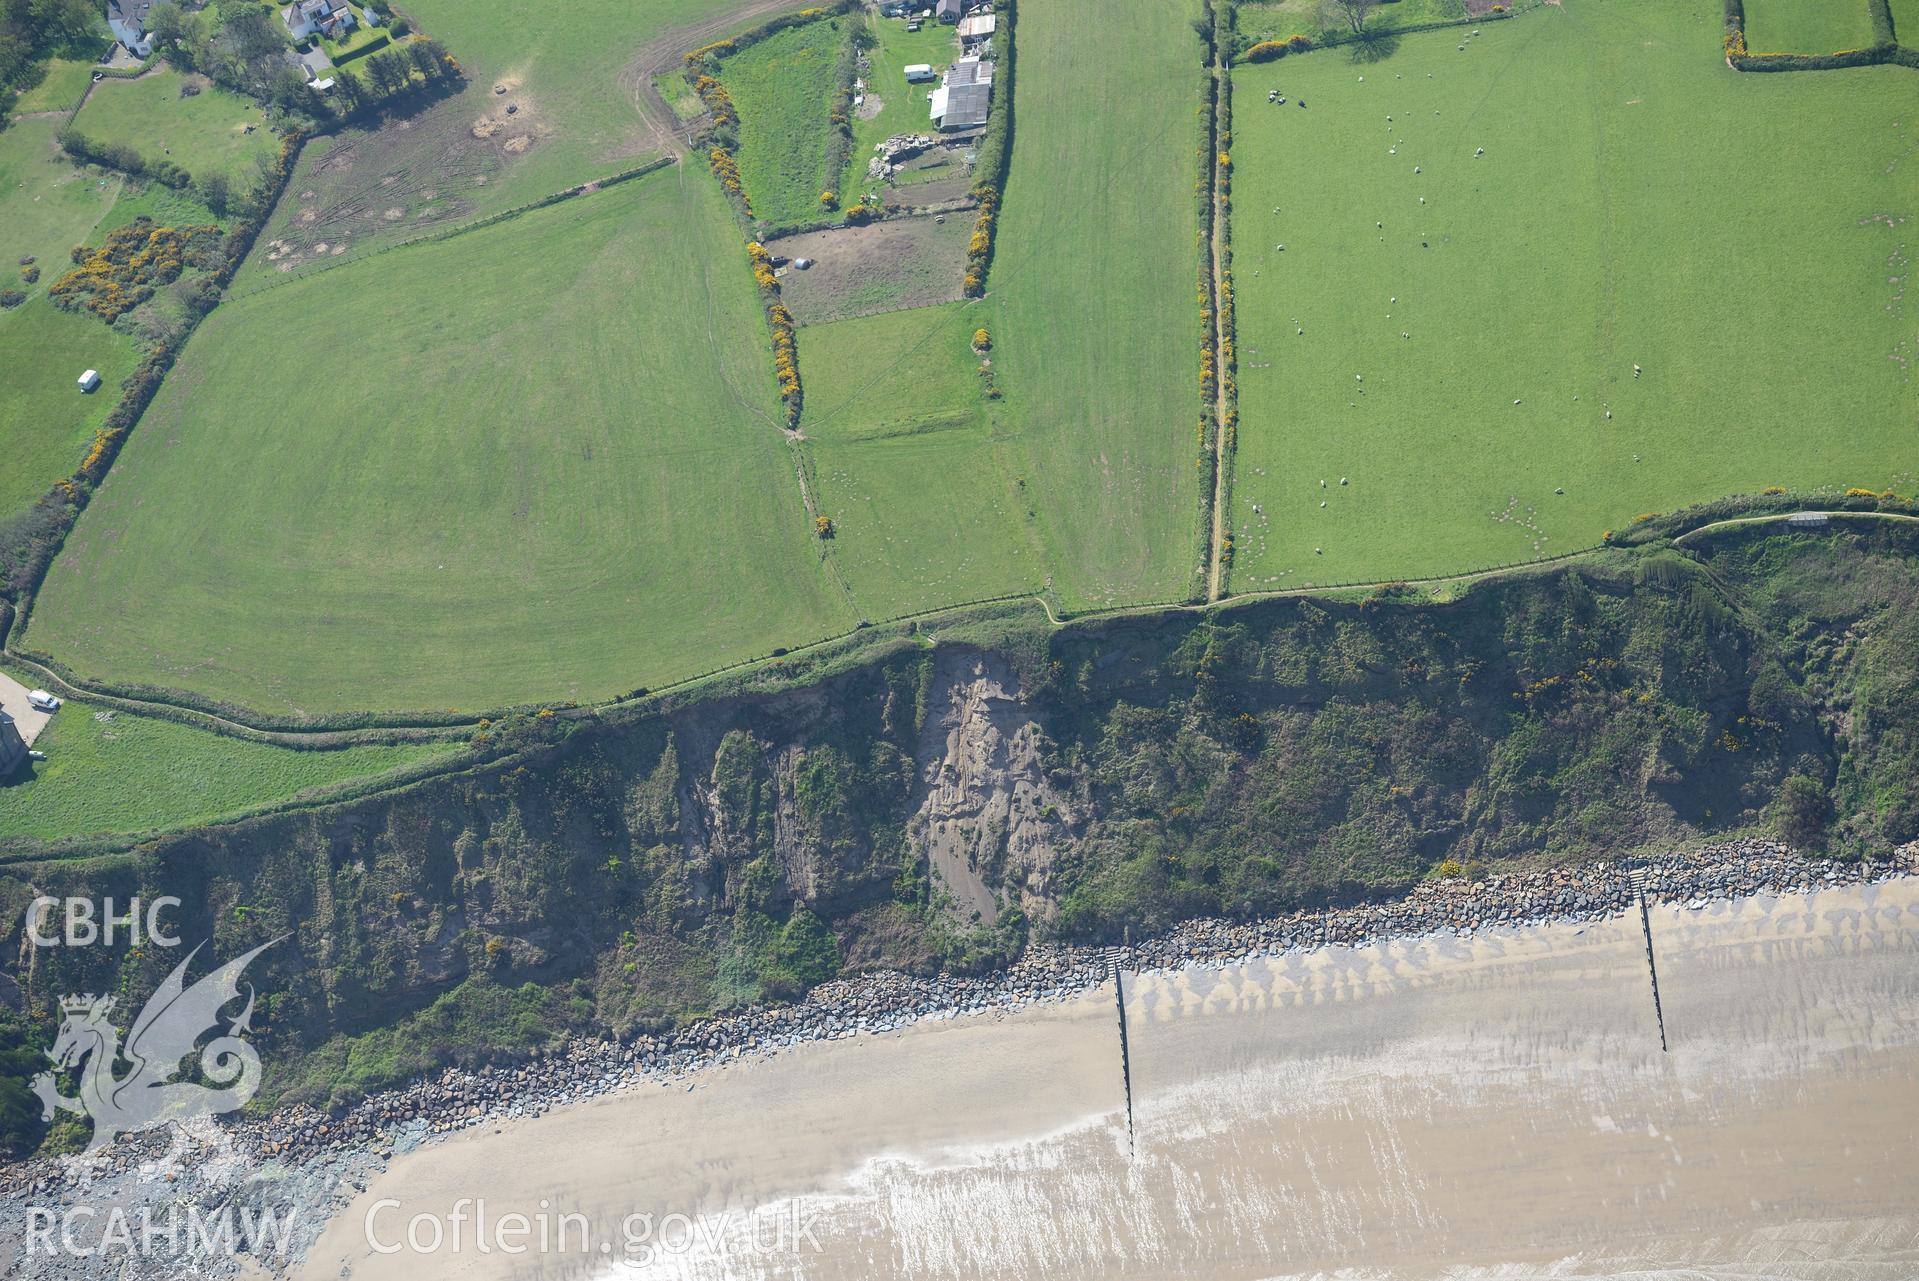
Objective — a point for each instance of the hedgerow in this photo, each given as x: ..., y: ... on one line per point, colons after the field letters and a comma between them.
x: 786, y: 356
x: 993, y: 157
x: 839, y: 144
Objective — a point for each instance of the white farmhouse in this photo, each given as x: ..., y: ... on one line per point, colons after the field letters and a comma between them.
x: 329, y: 19
x: 128, y: 20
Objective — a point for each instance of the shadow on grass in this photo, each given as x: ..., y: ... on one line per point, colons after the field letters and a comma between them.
x: 1374, y: 46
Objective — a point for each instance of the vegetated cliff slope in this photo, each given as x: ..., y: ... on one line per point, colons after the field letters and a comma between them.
x: 936, y: 806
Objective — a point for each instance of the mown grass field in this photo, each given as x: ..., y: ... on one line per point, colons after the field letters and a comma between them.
x: 560, y: 476
x: 203, y: 134
x: 107, y: 771
x: 908, y: 465
x: 1496, y: 325
x: 1807, y: 26
x: 47, y: 206
x: 66, y: 79
x: 1094, y: 323
x: 783, y: 87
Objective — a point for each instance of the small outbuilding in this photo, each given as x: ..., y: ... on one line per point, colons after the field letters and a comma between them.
x: 1808, y: 520
x: 979, y: 24
x: 89, y: 380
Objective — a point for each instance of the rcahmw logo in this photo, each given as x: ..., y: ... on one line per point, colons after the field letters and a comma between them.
x: 88, y: 1231
x: 163, y: 1033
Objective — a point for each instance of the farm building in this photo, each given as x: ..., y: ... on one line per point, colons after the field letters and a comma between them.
x: 13, y: 748
x: 980, y: 24
x: 964, y: 96
x: 128, y: 20
x: 961, y: 106
x: 329, y: 18
x: 951, y: 11
x: 968, y: 71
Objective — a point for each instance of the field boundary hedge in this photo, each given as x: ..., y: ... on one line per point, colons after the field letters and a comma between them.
x: 839, y: 143
x: 1207, y: 423
x: 993, y: 159
x: 1225, y: 37
x: 1883, y: 49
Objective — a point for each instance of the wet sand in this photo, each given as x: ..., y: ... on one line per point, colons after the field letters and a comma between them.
x: 1488, y: 1107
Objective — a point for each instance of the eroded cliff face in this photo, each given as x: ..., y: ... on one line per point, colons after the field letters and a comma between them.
x: 987, y: 819
x: 932, y: 806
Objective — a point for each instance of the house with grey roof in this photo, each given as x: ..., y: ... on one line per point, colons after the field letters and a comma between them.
x: 329, y: 19
x: 128, y: 21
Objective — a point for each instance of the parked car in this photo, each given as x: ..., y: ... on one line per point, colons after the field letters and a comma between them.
x: 35, y: 754
x: 42, y: 701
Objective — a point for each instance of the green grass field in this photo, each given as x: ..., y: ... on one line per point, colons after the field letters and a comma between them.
x: 1497, y: 324
x: 552, y: 469
x: 1807, y: 26
x: 45, y: 420
x: 109, y: 772
x: 202, y: 134
x: 1091, y: 297
x: 908, y: 464
x: 783, y: 87
x: 47, y: 205
x: 60, y: 90
x: 1905, y: 22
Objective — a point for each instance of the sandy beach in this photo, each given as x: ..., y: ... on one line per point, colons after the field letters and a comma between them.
x: 1492, y: 1106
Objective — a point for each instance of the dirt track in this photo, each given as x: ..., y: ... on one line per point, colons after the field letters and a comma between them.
x: 663, y: 53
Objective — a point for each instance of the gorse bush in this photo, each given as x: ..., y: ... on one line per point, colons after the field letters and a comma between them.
x: 134, y: 262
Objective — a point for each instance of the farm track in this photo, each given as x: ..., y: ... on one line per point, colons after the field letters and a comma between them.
x: 663, y: 54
